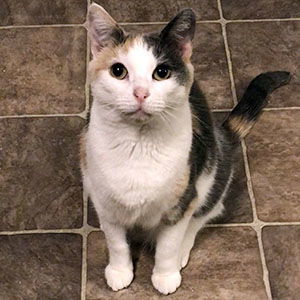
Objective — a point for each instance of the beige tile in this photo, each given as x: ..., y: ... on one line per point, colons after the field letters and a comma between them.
x: 263, y: 9
x: 225, y: 264
x: 40, y: 266
x: 155, y: 11
x: 282, y: 251
x: 32, y: 12
x: 262, y: 47
x: 42, y: 70
x: 274, y: 158
x: 40, y: 178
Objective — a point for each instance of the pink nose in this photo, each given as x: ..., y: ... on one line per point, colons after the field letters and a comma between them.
x: 141, y: 94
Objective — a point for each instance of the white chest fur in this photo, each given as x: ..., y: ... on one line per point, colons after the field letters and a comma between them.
x: 135, y: 172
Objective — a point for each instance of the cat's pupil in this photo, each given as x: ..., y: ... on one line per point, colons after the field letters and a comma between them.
x: 162, y: 72
x: 118, y: 69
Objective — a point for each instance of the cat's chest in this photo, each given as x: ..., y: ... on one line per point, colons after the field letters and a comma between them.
x: 139, y: 172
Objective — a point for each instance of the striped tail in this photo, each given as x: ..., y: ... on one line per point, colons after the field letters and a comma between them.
x: 249, y: 108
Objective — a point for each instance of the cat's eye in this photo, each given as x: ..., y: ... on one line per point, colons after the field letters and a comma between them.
x: 118, y: 71
x: 162, y: 72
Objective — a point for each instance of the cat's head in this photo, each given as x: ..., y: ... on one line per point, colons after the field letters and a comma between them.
x: 140, y: 76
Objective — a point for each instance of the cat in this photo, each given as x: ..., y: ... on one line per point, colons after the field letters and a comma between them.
x: 151, y: 155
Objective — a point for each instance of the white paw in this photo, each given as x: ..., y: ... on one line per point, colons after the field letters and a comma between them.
x: 166, y: 283
x: 118, y: 279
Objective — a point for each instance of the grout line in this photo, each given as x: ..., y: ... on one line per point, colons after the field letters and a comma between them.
x: 84, y: 267
x: 87, y: 229
x: 264, y: 264
x: 221, y: 110
x: 281, y: 108
x: 261, y: 20
x: 163, y: 23
x: 40, y: 231
x: 223, y: 21
x: 87, y: 85
x: 228, y: 225
x: 228, y: 55
x: 40, y: 26
x: 256, y: 225
x: 249, y: 182
x: 81, y: 115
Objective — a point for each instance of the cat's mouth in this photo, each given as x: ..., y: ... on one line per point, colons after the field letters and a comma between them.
x: 139, y: 115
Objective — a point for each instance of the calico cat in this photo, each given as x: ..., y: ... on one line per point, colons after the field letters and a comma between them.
x: 151, y: 156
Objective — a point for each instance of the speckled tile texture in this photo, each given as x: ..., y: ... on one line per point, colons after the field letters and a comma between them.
x: 158, y: 11
x: 42, y: 70
x: 266, y: 46
x: 282, y: 248
x: 40, y: 266
x: 225, y: 262
x: 273, y: 149
x: 40, y: 178
x: 51, y: 245
x: 36, y: 12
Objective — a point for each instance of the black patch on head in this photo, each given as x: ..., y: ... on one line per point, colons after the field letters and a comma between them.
x: 167, y: 56
x: 168, y: 45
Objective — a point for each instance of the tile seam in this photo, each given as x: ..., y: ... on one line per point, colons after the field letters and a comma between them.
x: 88, y: 229
x: 87, y: 86
x: 261, y: 20
x: 80, y: 115
x: 223, y: 21
x: 256, y: 222
x: 227, y: 52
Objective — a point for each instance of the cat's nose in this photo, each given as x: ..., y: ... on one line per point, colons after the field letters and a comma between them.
x: 141, y: 94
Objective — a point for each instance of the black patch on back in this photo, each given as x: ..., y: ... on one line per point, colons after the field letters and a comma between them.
x: 203, y: 154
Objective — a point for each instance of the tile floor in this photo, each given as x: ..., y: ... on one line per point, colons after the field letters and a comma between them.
x: 50, y: 244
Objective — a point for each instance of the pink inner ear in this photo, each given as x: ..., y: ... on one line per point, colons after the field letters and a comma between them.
x: 187, y: 50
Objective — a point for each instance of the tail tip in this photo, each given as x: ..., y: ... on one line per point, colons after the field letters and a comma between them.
x: 279, y: 78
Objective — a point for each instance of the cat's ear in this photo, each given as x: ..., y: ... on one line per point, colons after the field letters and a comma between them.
x: 103, y: 30
x: 180, y: 32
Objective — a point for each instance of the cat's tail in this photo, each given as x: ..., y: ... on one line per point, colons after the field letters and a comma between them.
x: 249, y: 108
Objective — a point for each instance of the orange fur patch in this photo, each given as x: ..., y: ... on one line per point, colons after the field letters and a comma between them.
x: 104, y: 58
x: 182, y: 184
x: 240, y: 125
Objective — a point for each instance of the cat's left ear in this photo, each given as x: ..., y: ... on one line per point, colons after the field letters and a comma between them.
x: 180, y: 32
x: 103, y: 30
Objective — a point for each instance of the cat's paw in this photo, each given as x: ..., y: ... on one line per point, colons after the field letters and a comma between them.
x: 166, y: 283
x: 118, y: 279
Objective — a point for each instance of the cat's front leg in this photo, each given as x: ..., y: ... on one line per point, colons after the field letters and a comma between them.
x: 119, y: 271
x: 166, y: 276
